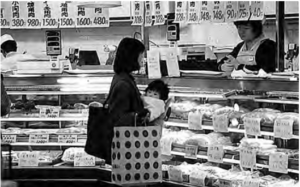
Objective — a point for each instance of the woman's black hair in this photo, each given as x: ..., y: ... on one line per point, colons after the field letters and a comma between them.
x: 127, y: 55
x: 9, y: 46
x: 160, y: 87
x: 257, y: 26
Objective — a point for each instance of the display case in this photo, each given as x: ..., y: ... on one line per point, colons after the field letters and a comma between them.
x: 64, y: 125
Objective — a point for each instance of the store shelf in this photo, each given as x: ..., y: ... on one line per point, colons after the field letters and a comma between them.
x: 230, y: 161
x: 278, y: 101
x: 205, y: 127
x: 57, y: 92
x: 54, y: 144
x: 45, y: 119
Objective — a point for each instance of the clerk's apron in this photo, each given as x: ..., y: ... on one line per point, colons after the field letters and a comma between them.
x: 247, y: 57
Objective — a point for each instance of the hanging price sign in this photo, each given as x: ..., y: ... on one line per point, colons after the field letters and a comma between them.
x: 257, y: 10
x: 84, y: 17
x: 244, y: 10
x: 197, y: 178
x: 158, y: 13
x: 195, y: 120
x: 49, y: 113
x: 249, y: 182
x: 172, y: 63
x: 180, y: 12
x: 283, y: 128
x: 215, y: 153
x: 50, y: 14
x: 220, y: 123
x: 101, y: 17
x: 278, y: 162
x: 67, y: 15
x: 205, y: 11
x: 153, y: 65
x: 5, y: 14
x: 175, y: 174
x: 252, y: 126
x: 148, y: 13
x: 218, y: 11
x: 225, y: 183
x: 247, y: 157
x: 231, y: 11
x: 193, y: 11
x: 191, y: 151
x: 34, y: 14
x: 82, y: 159
x: 39, y: 138
x: 29, y: 159
x: 138, y: 15
x: 9, y: 138
x: 67, y: 138
x: 18, y: 15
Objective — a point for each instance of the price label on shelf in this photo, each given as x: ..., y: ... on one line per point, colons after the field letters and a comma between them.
x: 67, y: 14
x: 9, y: 138
x: 67, y: 138
x: 247, y: 157
x: 193, y: 11
x: 148, y: 13
x: 205, y: 11
x: 175, y: 174
x: 50, y: 14
x: 138, y: 14
x: 283, y: 128
x: 257, y: 10
x: 195, y: 120
x: 231, y: 11
x: 180, y: 11
x: 153, y: 65
x: 215, y: 153
x: 158, y: 13
x: 220, y: 123
x: 172, y: 62
x: 197, y: 178
x: 166, y: 146
x: 83, y: 159
x: 191, y: 151
x: 218, y: 11
x: 278, y: 162
x: 252, y: 126
x: 244, y: 10
x: 5, y: 14
x: 49, y: 113
x: 39, y: 138
x: 249, y: 182
x: 85, y: 112
x: 225, y: 183
x: 28, y: 159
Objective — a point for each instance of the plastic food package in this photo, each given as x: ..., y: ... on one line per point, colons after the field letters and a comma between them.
x: 182, y: 109
x: 72, y: 130
x: 268, y: 118
x: 69, y: 153
x: 155, y: 106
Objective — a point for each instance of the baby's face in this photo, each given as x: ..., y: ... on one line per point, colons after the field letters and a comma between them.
x: 153, y: 94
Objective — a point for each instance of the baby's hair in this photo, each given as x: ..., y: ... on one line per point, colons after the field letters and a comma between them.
x: 160, y: 87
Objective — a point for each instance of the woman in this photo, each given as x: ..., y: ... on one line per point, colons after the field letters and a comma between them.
x: 254, y: 53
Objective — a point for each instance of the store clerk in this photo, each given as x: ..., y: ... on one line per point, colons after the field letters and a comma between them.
x: 254, y: 53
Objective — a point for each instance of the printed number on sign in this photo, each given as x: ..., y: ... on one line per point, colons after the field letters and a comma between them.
x: 205, y: 16
x: 159, y: 18
x: 230, y: 14
x: 193, y: 16
x: 179, y: 16
x: 257, y: 12
x: 66, y: 21
x: 18, y: 22
x: 243, y: 13
x: 33, y: 22
x: 218, y: 14
x: 100, y: 21
x: 4, y: 23
x: 49, y: 22
x: 84, y: 21
x: 138, y: 19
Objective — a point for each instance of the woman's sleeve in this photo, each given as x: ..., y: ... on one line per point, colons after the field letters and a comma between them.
x: 265, y: 58
x: 233, y: 53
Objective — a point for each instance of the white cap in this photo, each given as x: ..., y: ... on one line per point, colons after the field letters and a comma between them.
x: 5, y: 38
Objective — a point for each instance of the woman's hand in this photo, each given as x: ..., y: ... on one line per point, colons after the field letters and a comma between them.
x: 230, y: 64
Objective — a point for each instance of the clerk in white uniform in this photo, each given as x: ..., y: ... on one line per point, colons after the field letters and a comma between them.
x: 254, y: 53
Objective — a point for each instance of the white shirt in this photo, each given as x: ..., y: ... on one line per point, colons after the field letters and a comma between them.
x: 155, y: 106
x: 10, y: 62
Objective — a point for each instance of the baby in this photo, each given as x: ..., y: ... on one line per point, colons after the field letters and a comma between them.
x: 156, y: 95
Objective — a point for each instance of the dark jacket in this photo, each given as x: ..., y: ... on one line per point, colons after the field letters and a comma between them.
x: 5, y: 101
x: 125, y: 100
x: 265, y: 57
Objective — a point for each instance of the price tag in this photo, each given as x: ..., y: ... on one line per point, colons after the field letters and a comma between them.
x: 5, y: 14
x: 231, y: 11
x: 195, y: 120
x: 84, y: 17
x: 180, y: 12
x: 34, y: 14
x: 67, y: 15
x: 218, y: 11
x: 252, y: 126
x: 83, y: 159
x: 166, y: 146
x: 159, y: 17
x: 138, y: 15
x: 28, y: 159
x: 49, y: 113
x: 220, y: 123
x: 153, y: 65
x: 283, y: 128
x: 191, y: 151
x: 257, y: 10
x: 247, y: 157
x: 9, y: 138
x: 225, y: 183
x: 148, y: 13
x: 172, y: 63
x: 85, y: 112
x: 244, y: 10
x: 205, y: 13
x: 215, y: 153
x: 249, y: 182
x: 193, y: 11
x: 101, y: 17
x: 18, y: 15
x: 67, y: 138
x: 175, y: 174
x: 278, y: 162
x: 197, y: 178
x: 50, y: 15
x: 39, y: 138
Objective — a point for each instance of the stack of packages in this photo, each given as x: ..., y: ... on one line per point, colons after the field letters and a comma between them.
x: 261, y: 146
x: 204, y: 140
